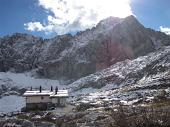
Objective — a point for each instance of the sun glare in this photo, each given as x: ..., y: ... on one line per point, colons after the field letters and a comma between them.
x: 77, y: 15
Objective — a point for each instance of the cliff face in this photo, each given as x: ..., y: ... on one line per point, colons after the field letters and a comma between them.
x: 67, y: 56
x: 111, y: 41
x: 19, y: 52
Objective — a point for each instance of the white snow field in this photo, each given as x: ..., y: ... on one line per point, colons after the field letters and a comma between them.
x: 11, y: 103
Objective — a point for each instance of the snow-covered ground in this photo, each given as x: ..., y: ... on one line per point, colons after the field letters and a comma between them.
x: 26, y: 80
x: 11, y: 103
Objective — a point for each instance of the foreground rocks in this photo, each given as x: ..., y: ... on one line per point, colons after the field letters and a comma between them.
x: 155, y: 114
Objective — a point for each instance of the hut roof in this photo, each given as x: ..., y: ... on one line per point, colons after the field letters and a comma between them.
x: 60, y: 93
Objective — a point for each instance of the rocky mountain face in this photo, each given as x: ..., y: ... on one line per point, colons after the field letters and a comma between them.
x: 73, y: 57
x: 20, y: 52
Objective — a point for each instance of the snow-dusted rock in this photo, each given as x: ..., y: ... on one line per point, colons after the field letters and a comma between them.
x: 73, y: 57
x: 131, y: 80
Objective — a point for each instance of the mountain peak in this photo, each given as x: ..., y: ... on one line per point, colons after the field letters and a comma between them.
x: 131, y: 17
x: 110, y: 21
x: 132, y: 20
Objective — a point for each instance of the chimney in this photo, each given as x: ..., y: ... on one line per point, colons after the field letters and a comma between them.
x: 40, y: 89
x: 51, y: 88
x: 56, y: 90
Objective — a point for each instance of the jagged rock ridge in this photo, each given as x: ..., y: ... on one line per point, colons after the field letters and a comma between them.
x: 67, y: 56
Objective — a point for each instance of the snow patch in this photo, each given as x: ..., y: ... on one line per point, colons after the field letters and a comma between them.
x: 25, y: 80
x: 11, y: 103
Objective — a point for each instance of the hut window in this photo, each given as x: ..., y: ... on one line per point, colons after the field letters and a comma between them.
x: 42, y: 98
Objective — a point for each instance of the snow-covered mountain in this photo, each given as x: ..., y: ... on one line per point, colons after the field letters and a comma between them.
x: 73, y: 57
x: 117, y: 62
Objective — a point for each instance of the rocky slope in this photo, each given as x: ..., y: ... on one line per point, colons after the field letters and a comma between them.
x: 72, y: 57
x: 128, y: 81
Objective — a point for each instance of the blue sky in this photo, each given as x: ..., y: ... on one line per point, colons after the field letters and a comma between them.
x: 14, y: 13
x: 47, y: 19
x: 152, y: 13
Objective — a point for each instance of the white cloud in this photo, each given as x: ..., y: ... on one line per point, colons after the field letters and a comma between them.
x: 166, y: 30
x: 32, y: 26
x: 76, y: 15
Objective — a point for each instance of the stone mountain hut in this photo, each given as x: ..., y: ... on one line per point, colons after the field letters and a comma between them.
x: 45, y: 99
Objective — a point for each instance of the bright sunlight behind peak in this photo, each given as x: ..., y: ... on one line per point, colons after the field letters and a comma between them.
x: 67, y: 16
